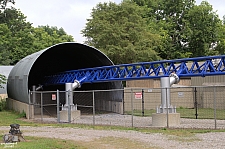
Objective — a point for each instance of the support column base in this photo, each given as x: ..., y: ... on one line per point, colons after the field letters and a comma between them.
x: 74, y: 115
x: 160, y: 119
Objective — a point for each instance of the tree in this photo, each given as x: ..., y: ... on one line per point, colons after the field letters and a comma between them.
x: 45, y: 36
x: 169, y: 17
x: 5, y: 43
x: 14, y: 19
x: 19, y: 38
x: 3, y: 3
x: 121, y: 32
x: 203, y: 28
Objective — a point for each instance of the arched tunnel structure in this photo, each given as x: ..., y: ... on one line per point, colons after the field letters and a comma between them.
x: 31, y: 70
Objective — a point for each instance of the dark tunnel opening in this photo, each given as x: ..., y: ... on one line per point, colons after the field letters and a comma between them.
x: 31, y: 70
x: 64, y: 57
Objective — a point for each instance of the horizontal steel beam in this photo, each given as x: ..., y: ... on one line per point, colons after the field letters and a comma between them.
x: 189, y: 67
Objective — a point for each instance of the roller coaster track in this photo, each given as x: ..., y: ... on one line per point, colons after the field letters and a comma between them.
x: 189, y: 67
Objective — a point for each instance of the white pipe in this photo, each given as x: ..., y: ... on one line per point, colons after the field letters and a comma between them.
x: 76, y: 84
x: 174, y: 79
x: 165, y: 91
x: 166, y: 83
x: 69, y: 93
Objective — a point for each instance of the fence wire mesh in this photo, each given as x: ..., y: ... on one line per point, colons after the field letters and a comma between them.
x: 198, y: 107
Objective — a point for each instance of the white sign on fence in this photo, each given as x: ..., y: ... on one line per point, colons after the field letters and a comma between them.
x: 53, y: 96
x: 138, y: 95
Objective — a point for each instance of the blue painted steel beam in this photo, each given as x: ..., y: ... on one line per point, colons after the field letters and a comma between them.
x: 189, y: 67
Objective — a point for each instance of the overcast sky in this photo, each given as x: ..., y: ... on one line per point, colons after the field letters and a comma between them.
x: 71, y: 15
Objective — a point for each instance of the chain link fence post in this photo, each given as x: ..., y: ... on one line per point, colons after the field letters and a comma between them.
x: 29, y: 106
x: 41, y: 107
x: 167, y: 111
x: 214, y: 105
x: 58, y: 113
x: 132, y: 109
x: 93, y: 98
x: 69, y: 107
x: 143, y: 103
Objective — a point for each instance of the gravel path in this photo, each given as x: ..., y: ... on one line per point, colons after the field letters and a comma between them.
x: 155, y: 140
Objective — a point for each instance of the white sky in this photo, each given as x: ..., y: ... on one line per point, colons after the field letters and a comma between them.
x: 71, y: 15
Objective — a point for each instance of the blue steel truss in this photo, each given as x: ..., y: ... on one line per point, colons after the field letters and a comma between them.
x: 189, y: 67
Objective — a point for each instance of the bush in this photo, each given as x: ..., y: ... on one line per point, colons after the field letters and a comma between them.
x: 22, y: 114
x: 2, y: 104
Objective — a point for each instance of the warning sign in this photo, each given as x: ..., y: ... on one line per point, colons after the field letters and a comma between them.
x: 138, y: 95
x: 53, y: 97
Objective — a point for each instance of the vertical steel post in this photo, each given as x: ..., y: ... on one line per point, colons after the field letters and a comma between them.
x: 41, y: 107
x: 93, y: 97
x: 143, y: 104
x: 33, y: 93
x: 214, y: 104
x: 196, y: 104
x: 165, y: 92
x: 123, y: 102
x: 167, y: 111
x: 29, y: 106
x: 69, y: 107
x: 58, y: 113
x: 132, y: 109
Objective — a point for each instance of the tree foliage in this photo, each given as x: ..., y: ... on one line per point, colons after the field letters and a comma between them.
x: 121, y: 33
x: 19, y: 38
x: 192, y: 30
x: 203, y: 30
x: 3, y: 3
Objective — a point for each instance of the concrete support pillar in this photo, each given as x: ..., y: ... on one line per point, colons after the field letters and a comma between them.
x: 166, y: 114
x: 69, y: 110
x: 165, y: 91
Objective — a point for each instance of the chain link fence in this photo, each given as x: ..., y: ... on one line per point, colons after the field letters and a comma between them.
x: 199, y: 107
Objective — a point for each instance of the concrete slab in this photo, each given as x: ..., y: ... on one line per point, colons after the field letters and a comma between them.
x: 160, y: 119
x: 74, y: 115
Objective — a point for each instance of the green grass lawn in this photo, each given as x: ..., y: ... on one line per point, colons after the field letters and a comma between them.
x: 46, y: 143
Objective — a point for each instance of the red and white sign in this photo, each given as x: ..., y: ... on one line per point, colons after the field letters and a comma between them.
x: 53, y: 97
x: 138, y: 95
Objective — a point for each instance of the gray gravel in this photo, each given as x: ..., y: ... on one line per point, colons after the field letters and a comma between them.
x: 126, y: 121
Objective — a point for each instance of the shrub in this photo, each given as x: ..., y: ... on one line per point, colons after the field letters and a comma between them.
x: 2, y: 104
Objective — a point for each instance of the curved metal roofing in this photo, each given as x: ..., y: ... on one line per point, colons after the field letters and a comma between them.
x: 5, y: 70
x: 61, y: 57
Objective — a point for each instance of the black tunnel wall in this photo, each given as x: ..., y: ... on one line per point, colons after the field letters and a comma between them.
x: 58, y: 58
x: 66, y: 57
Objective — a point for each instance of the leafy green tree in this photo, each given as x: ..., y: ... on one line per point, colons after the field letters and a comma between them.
x: 203, y: 29
x: 5, y: 42
x: 220, y: 44
x: 169, y: 17
x: 19, y: 38
x: 45, y: 36
x: 121, y: 32
x: 14, y: 19
x: 3, y: 3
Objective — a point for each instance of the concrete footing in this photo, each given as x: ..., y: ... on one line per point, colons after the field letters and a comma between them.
x: 74, y: 115
x: 160, y: 119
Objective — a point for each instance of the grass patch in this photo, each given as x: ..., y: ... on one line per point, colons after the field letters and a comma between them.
x: 115, y: 142
x: 10, y: 117
x: 46, y: 143
x: 205, y: 113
